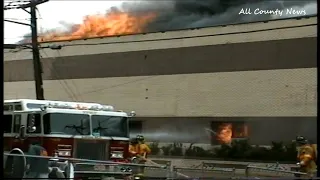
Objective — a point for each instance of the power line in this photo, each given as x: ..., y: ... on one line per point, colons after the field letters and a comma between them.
x: 23, y: 4
x: 19, y: 19
x: 72, y: 81
x: 118, y: 85
x: 141, y: 79
x: 62, y: 82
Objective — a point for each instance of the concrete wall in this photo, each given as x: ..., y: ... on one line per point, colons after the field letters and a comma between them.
x: 244, y: 71
x: 290, y: 92
x: 284, y: 44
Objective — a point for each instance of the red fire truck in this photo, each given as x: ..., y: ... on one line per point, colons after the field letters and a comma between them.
x: 69, y: 129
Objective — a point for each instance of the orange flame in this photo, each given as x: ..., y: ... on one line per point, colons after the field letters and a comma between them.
x: 113, y: 23
x: 225, y: 133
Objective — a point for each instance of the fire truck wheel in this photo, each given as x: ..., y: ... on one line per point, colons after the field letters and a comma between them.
x: 15, y: 165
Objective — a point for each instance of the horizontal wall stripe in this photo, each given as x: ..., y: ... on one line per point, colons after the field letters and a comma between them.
x: 265, y: 55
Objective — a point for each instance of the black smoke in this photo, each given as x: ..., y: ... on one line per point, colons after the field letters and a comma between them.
x: 183, y: 14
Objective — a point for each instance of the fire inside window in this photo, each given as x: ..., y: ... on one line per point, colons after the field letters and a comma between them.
x: 226, y: 132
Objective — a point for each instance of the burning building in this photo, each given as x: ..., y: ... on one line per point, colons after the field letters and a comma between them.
x: 206, y: 85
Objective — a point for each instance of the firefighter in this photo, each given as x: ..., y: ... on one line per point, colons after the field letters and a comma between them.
x: 307, y: 156
x: 143, y: 150
x: 37, y: 167
x: 133, y: 147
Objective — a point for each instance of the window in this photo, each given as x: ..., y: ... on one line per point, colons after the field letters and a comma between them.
x: 69, y: 124
x: 7, y: 123
x: 34, y: 106
x: 135, y: 127
x: 17, y: 123
x: 240, y: 130
x: 110, y: 125
x: 7, y: 108
x: 37, y: 122
x: 17, y: 107
x: 223, y: 132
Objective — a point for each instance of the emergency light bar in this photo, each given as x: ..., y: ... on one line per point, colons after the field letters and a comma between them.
x: 78, y: 107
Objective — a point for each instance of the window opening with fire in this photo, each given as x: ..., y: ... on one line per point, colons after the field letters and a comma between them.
x: 66, y: 124
x: 226, y: 132
x: 109, y: 126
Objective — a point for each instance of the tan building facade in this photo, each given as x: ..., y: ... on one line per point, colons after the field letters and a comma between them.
x: 261, y: 75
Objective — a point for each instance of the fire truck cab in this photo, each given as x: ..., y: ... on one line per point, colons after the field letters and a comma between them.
x: 68, y: 129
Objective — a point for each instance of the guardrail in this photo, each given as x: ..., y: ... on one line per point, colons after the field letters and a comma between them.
x: 205, y: 173
x: 221, y: 163
x: 275, y: 171
x: 81, y: 160
x: 15, y: 166
x: 167, y: 170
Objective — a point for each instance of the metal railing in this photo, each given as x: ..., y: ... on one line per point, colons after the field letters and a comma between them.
x: 275, y: 171
x: 204, y: 173
x: 15, y: 166
x: 160, y: 170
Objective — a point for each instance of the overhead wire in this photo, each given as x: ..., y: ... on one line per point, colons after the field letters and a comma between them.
x: 103, y: 88
x: 10, y: 52
x: 77, y: 94
x: 118, y: 85
x: 163, y: 39
x: 145, y: 78
x: 63, y: 83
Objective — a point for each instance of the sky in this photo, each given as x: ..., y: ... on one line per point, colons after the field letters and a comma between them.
x: 51, y: 14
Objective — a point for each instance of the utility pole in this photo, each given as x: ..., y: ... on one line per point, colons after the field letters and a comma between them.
x: 36, y: 55
x: 37, y: 67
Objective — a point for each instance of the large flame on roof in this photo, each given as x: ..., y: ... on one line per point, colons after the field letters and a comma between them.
x: 110, y: 24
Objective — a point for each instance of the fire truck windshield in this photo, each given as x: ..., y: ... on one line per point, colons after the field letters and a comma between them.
x: 110, y: 126
x: 65, y: 123
x: 79, y: 124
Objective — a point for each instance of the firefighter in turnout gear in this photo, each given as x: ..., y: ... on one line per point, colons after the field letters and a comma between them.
x: 307, y: 156
x: 142, y: 150
x: 133, y: 147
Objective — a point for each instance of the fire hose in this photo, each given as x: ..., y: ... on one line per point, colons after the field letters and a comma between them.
x: 156, y: 164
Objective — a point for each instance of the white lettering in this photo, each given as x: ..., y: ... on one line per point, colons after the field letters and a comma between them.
x: 245, y: 11
x: 241, y: 11
x: 292, y: 11
x: 271, y: 12
x: 257, y: 11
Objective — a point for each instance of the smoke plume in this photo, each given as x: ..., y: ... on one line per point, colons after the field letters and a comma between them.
x: 153, y: 16
x: 183, y: 14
